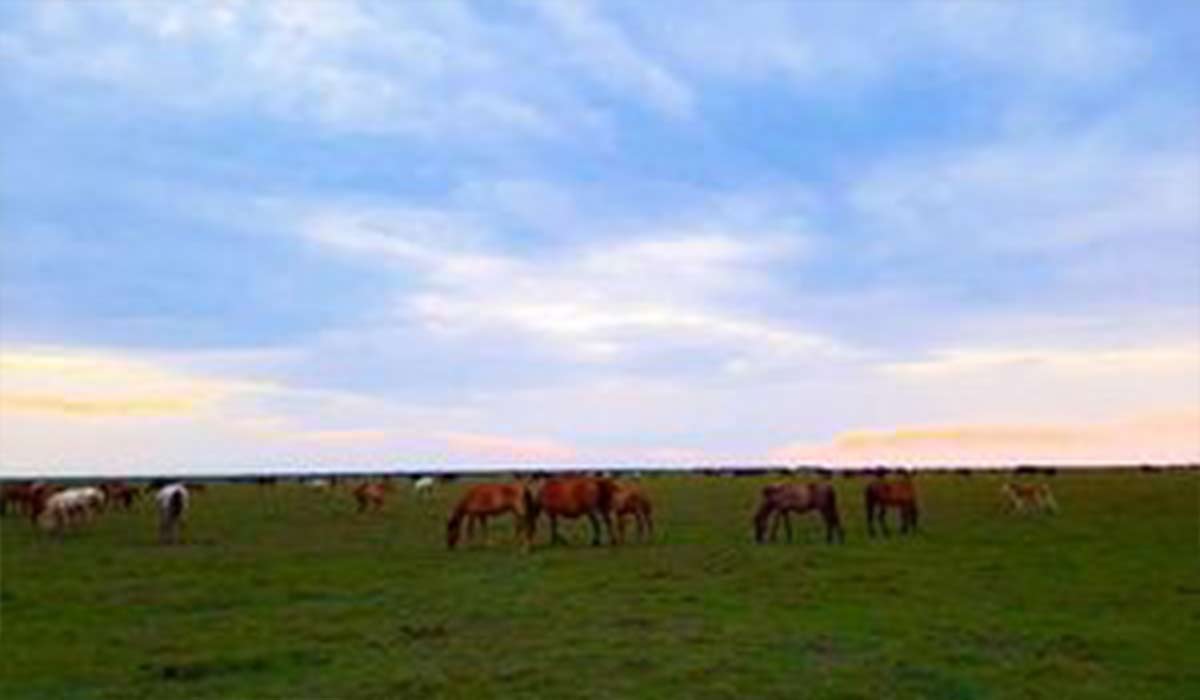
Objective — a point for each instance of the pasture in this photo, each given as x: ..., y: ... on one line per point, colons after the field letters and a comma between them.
x: 286, y: 592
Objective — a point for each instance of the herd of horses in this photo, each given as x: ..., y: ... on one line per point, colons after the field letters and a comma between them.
x: 607, y: 504
x: 56, y: 510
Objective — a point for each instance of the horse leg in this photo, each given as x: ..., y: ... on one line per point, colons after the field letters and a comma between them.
x: 621, y: 520
x: 596, y: 528
x: 555, y: 538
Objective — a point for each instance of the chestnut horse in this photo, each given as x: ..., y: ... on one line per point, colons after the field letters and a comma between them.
x: 781, y: 499
x: 573, y: 497
x: 881, y: 495
x: 120, y: 492
x: 26, y: 497
x: 483, y: 501
x: 1036, y: 497
x: 371, y: 495
x: 629, y: 500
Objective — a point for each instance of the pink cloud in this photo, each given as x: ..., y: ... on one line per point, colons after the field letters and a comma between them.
x: 500, y: 448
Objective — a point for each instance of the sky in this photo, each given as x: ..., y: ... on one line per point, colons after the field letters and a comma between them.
x: 309, y: 235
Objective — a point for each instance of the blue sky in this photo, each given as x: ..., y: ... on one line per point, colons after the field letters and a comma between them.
x: 273, y: 233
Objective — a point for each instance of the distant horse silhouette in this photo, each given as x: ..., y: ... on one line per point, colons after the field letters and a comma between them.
x: 483, y: 501
x: 120, y: 492
x: 779, y: 500
x: 424, y: 486
x: 573, y: 497
x: 25, y: 497
x: 371, y: 495
x: 881, y: 495
x: 68, y: 508
x: 629, y: 500
x: 172, y: 501
x: 1035, y: 497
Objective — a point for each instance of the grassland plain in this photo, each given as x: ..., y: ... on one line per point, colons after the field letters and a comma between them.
x: 285, y: 592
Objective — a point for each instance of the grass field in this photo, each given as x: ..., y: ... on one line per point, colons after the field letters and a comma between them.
x: 285, y: 592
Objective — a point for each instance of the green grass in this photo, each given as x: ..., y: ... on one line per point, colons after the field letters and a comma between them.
x: 287, y: 593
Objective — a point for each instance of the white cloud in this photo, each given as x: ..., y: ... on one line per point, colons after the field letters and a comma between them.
x: 1183, y: 358
x: 1046, y: 195
x: 599, y: 301
x: 605, y: 51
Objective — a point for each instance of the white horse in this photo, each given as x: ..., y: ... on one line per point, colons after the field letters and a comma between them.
x: 172, y: 501
x: 70, y: 507
x: 424, y: 486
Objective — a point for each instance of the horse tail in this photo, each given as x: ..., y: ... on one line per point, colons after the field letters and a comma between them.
x: 606, y: 489
x: 175, y: 505
x: 831, y: 509
x: 532, y: 509
x: 648, y: 513
x: 454, y: 524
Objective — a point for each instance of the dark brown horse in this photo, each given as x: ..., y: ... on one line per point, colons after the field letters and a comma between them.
x: 899, y: 494
x: 781, y: 499
x: 487, y: 500
x: 28, y: 498
x: 371, y: 495
x: 629, y: 500
x: 573, y: 497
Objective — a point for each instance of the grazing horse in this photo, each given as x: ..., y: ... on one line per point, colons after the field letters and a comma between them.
x: 26, y: 497
x: 172, y: 501
x: 779, y: 500
x: 882, y: 494
x: 573, y: 497
x: 120, y: 492
x: 424, y: 486
x: 483, y: 501
x: 629, y: 500
x: 1035, y: 497
x: 371, y: 495
x: 56, y: 512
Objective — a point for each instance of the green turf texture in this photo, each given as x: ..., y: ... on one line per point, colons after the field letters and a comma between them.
x: 286, y: 592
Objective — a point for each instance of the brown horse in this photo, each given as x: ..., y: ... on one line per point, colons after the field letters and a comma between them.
x: 20, y: 495
x: 371, y: 495
x: 483, y: 501
x: 881, y: 495
x: 120, y: 492
x: 572, y: 497
x: 781, y: 499
x: 32, y: 497
x: 629, y: 500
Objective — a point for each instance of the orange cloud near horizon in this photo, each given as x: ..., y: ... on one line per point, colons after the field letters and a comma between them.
x: 1165, y: 436
x: 133, y: 406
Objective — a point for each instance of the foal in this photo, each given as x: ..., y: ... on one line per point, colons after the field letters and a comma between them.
x: 881, y: 495
x: 1036, y: 497
x: 629, y: 500
x: 781, y: 499
x: 483, y: 501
